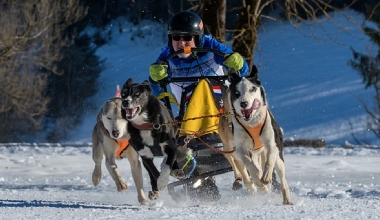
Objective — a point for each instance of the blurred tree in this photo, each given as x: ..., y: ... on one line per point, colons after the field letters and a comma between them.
x: 48, y: 69
x: 245, y: 34
x: 30, y: 49
x: 295, y: 11
x: 70, y: 90
x: 368, y: 66
x: 214, y: 18
x: 81, y: 67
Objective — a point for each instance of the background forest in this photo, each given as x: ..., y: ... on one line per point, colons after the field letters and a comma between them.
x: 49, y: 69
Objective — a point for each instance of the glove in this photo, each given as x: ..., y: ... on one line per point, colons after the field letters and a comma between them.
x: 158, y: 71
x: 234, y: 61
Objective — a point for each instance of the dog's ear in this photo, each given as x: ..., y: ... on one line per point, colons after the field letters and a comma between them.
x: 254, y: 75
x: 128, y: 83
x: 234, y: 74
x: 234, y: 77
x: 254, y: 72
x: 146, y: 84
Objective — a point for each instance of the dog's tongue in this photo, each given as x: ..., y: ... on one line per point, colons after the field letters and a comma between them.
x: 256, y: 104
x: 248, y: 112
x: 130, y: 112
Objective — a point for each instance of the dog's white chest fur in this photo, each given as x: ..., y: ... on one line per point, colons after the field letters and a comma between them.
x: 146, y: 135
x: 140, y: 119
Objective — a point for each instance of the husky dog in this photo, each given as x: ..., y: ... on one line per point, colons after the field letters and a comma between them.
x: 257, y: 136
x: 151, y: 128
x: 111, y: 128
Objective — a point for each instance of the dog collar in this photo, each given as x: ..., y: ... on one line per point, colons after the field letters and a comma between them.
x: 254, y: 131
x: 146, y: 126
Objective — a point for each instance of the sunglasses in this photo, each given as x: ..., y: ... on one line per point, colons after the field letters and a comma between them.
x: 185, y: 37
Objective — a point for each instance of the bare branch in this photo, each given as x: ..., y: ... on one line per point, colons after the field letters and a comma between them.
x: 31, y: 40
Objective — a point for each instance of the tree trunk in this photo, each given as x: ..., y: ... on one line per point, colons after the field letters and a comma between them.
x: 214, y: 18
x: 245, y: 35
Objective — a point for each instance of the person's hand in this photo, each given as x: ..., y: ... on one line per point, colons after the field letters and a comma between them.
x: 234, y: 61
x: 158, y: 71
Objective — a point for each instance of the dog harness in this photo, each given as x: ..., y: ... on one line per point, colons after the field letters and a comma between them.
x: 254, y: 131
x: 123, y: 145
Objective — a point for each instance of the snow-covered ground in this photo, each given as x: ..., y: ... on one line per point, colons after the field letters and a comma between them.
x: 313, y: 94
x: 55, y: 183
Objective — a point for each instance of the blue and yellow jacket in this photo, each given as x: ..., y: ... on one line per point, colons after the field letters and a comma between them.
x: 206, y: 63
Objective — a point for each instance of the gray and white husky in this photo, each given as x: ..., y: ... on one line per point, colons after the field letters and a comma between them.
x: 257, y: 136
x: 111, y: 128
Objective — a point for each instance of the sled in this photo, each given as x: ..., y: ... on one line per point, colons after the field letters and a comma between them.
x: 197, y: 121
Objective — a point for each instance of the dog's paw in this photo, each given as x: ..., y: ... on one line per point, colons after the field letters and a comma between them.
x: 266, y: 179
x: 237, y: 185
x: 96, y: 175
x: 121, y: 186
x: 141, y: 198
x: 179, y: 174
x: 265, y: 188
x: 287, y: 202
x: 153, y: 195
x: 163, y: 179
x: 145, y: 202
x: 251, y: 188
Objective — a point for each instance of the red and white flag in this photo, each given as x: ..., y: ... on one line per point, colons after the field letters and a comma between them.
x: 118, y: 92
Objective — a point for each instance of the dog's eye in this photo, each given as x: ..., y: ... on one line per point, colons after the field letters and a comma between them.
x: 123, y: 95
x: 237, y: 93
x: 137, y: 93
x: 253, y: 89
x: 108, y: 118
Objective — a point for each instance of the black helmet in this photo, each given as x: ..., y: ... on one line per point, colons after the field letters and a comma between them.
x: 186, y: 23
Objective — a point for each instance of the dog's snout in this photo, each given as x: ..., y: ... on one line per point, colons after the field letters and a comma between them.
x: 244, y: 104
x: 125, y: 103
x: 115, y: 133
